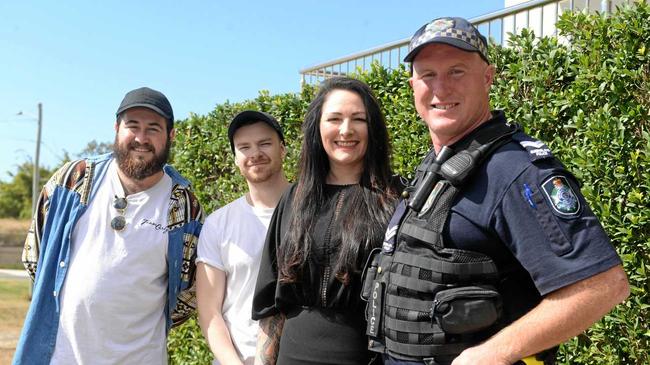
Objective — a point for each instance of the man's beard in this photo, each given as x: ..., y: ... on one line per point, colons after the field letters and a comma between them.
x: 136, y: 168
x: 267, y: 174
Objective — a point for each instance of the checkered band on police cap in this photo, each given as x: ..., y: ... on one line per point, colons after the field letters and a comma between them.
x: 456, y: 32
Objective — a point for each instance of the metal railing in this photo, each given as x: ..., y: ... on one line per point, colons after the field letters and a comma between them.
x: 538, y: 15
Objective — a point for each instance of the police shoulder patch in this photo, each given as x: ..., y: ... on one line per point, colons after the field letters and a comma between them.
x: 561, y: 196
x: 536, y: 149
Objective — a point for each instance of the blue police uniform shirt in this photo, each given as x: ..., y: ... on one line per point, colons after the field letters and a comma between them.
x: 525, y: 210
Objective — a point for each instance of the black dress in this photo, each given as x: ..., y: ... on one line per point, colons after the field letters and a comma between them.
x: 325, y: 319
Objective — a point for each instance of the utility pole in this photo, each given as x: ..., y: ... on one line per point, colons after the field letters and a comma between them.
x: 36, y: 176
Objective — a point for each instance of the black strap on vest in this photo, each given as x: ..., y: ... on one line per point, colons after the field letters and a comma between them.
x: 472, y: 151
x: 456, y: 168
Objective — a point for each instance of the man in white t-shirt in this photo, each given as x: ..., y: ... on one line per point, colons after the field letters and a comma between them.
x: 232, y: 239
x: 111, y: 249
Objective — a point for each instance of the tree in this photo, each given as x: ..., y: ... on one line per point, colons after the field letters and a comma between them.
x: 16, y: 195
x: 94, y: 148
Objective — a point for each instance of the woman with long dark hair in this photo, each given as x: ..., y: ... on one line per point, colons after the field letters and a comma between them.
x: 326, y: 224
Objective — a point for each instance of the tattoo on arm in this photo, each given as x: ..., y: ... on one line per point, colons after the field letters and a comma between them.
x: 271, y: 328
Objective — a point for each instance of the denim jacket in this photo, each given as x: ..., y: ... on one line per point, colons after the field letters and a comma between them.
x: 46, y: 254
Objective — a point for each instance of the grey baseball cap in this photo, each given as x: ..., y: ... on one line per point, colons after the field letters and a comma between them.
x: 148, y: 98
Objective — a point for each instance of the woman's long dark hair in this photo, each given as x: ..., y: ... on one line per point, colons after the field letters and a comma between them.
x: 363, y: 225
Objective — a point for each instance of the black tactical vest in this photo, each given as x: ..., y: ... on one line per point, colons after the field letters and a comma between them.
x: 426, y: 301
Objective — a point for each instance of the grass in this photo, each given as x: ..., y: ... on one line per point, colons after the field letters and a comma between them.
x: 12, y: 291
x: 12, y: 266
x: 14, y: 301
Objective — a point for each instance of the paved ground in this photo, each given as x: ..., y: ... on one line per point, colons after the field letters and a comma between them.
x: 13, y: 274
x: 10, y: 256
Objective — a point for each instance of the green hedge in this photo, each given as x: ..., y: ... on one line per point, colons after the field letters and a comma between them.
x: 589, y: 100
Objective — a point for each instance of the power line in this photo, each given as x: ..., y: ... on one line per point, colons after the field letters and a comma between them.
x: 20, y: 140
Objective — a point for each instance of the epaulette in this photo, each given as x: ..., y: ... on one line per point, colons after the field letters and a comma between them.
x: 536, y: 149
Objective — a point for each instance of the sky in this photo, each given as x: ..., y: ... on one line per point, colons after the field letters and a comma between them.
x: 79, y: 58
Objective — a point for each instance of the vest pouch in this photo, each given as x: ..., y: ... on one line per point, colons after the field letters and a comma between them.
x: 369, y: 273
x: 467, y: 309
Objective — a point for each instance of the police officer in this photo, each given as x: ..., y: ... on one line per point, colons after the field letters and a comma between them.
x: 494, y: 256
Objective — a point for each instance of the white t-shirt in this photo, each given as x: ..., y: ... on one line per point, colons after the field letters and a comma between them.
x: 114, y: 294
x: 231, y: 240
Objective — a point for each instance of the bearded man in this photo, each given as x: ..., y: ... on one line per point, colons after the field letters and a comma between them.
x: 111, y: 248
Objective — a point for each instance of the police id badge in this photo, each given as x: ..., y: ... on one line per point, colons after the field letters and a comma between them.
x: 561, y: 196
